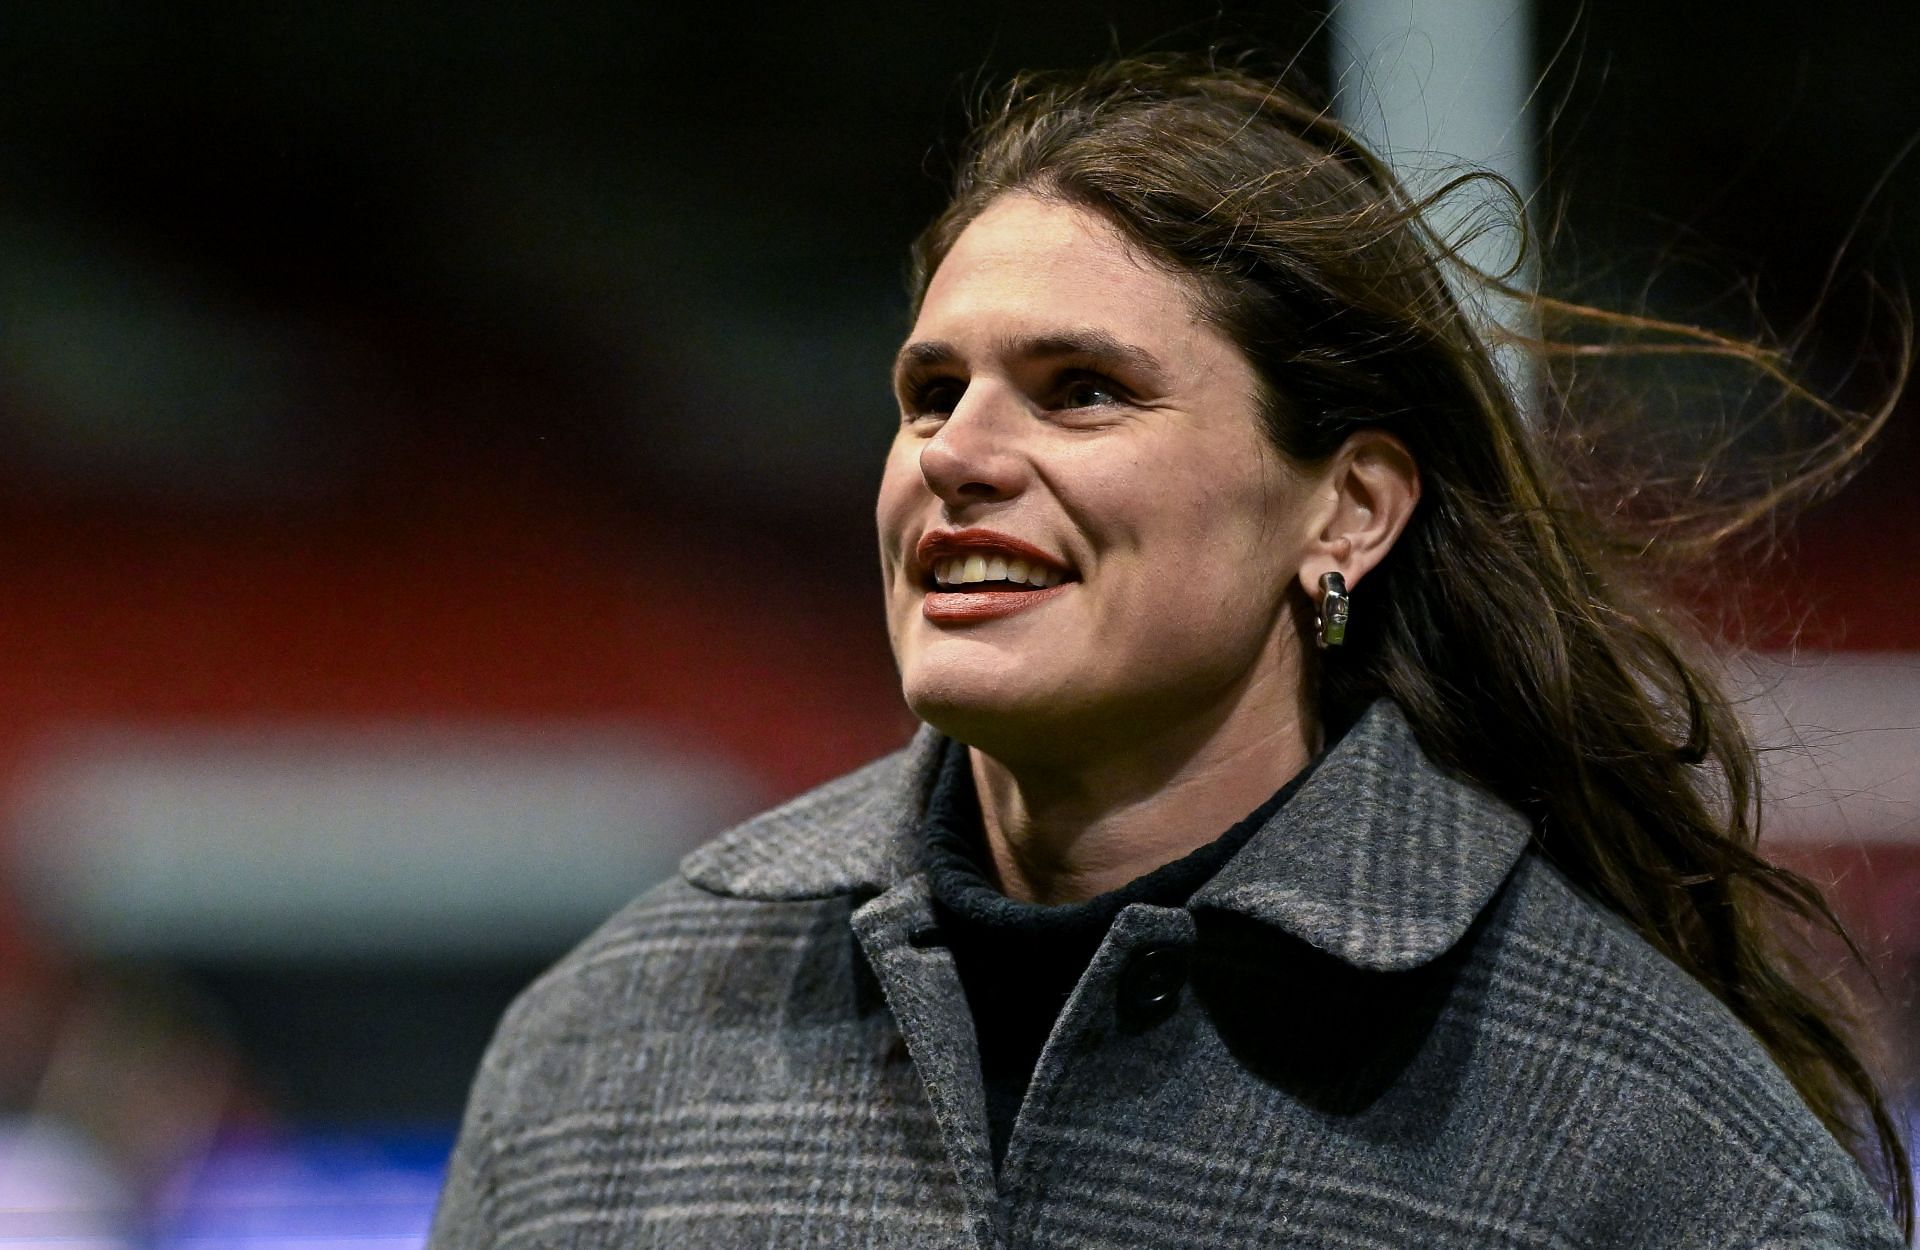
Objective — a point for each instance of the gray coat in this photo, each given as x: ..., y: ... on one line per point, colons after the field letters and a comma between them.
x: 1386, y: 1023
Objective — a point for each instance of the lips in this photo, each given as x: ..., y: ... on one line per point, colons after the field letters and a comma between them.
x: 957, y: 607
x: 978, y: 599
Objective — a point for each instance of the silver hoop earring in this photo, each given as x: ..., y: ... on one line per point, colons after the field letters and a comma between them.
x: 1330, y: 622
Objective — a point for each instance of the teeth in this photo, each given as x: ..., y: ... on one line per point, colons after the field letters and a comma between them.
x: 962, y: 570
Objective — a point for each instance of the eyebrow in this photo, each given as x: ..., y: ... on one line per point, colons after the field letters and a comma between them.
x: 1097, y: 346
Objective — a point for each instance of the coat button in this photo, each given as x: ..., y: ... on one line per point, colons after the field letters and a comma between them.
x: 1152, y: 981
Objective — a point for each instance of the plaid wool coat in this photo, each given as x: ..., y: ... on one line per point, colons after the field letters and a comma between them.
x: 1385, y: 1023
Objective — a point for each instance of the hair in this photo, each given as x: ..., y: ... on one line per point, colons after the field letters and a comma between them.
x: 1519, y: 620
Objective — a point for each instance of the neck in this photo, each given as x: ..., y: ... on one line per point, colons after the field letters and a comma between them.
x: 1061, y: 833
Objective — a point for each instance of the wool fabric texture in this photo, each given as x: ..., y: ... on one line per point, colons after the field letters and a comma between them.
x: 1385, y: 1022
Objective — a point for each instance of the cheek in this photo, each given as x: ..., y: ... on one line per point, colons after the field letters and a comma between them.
x: 901, y: 490
x: 1204, y: 518
x: 1213, y: 554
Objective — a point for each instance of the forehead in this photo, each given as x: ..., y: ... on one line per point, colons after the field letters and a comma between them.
x: 1028, y: 265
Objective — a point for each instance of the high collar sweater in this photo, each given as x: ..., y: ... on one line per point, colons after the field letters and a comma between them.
x: 1020, y: 961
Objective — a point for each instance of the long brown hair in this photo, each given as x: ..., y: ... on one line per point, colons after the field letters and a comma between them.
x: 1517, y: 620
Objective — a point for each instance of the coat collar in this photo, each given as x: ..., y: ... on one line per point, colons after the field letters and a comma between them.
x: 1381, y: 859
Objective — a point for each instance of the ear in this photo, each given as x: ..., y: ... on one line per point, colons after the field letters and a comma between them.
x: 1367, y: 493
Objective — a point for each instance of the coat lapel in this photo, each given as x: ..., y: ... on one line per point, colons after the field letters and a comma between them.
x: 857, y: 834
x: 1382, y: 859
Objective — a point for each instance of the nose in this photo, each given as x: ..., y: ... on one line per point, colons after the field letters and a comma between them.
x: 974, y: 458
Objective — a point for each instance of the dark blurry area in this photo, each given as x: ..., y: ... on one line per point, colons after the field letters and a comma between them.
x: 420, y: 424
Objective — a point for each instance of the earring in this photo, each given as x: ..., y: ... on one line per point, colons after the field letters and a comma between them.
x: 1330, y: 622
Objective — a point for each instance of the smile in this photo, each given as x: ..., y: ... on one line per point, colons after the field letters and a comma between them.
x: 979, y: 574
x: 985, y: 571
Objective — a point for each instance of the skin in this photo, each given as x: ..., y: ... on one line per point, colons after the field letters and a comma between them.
x: 1061, y: 388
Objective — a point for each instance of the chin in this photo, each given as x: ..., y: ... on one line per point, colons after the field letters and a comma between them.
x: 975, y: 708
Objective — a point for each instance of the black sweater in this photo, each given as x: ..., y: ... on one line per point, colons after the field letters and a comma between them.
x: 1020, y: 961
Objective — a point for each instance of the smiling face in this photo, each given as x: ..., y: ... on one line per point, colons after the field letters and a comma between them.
x: 1064, y: 405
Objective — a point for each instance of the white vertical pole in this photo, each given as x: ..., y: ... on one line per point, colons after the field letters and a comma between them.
x: 1437, y: 85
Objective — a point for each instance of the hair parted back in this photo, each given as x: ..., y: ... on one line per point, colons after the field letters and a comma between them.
x: 1515, y: 621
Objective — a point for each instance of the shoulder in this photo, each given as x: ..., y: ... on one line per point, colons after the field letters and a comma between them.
x: 693, y: 997
x: 850, y: 833
x: 658, y: 958
x: 1667, y: 1097
x: 680, y: 996
x: 723, y: 933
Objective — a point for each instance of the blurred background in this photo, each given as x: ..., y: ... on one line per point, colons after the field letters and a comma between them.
x: 436, y: 454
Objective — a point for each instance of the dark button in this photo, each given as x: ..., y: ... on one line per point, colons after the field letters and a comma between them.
x: 926, y: 937
x: 1153, y: 978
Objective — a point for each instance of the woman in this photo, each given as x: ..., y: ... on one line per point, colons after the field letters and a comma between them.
x: 1208, y: 512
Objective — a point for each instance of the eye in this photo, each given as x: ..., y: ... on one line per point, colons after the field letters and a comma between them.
x: 932, y: 397
x: 1089, y: 390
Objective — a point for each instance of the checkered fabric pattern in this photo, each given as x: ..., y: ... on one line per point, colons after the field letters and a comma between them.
x: 1386, y: 1023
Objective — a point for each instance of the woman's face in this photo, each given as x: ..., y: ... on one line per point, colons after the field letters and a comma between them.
x: 1065, y: 413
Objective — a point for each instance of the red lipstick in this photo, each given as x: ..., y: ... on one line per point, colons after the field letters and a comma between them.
x: 957, y: 607
x: 954, y: 607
